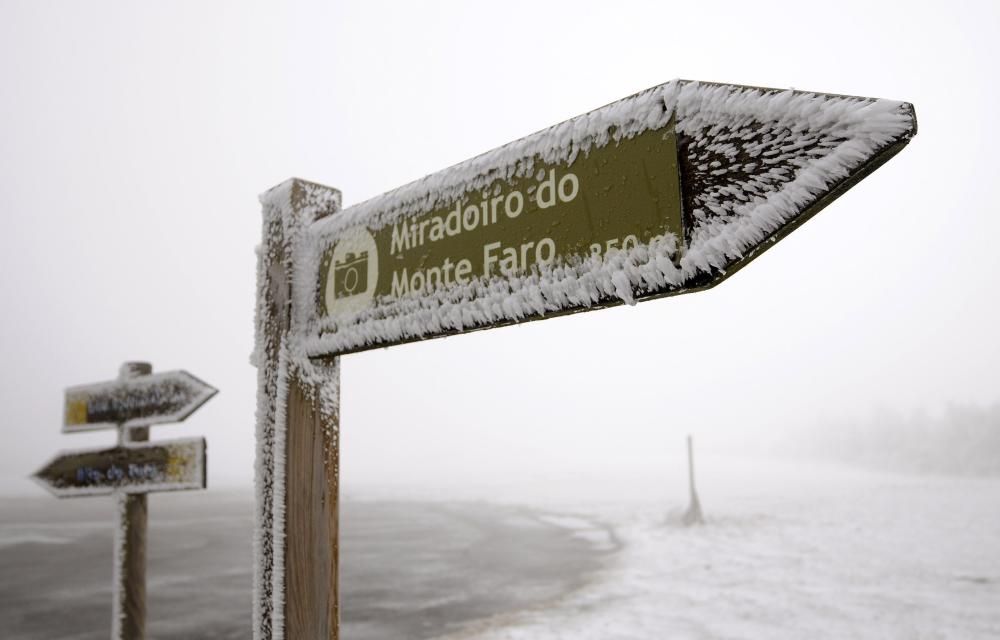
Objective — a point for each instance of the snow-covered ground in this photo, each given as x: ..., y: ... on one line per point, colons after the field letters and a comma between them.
x: 788, y: 551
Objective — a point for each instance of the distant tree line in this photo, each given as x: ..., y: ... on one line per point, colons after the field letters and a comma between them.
x: 962, y: 440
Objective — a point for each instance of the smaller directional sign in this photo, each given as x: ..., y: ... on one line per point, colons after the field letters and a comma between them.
x: 172, y: 465
x: 136, y: 402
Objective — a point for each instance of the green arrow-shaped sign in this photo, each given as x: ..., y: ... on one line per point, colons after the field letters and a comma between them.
x: 667, y: 191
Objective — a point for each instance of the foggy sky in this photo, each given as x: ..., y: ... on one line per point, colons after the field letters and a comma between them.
x: 135, y: 138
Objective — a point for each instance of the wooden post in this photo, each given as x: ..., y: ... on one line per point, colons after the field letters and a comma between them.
x: 128, y: 603
x: 296, y: 539
x: 312, y: 608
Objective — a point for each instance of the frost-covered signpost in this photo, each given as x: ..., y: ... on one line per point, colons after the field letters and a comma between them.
x: 668, y: 191
x: 133, y: 468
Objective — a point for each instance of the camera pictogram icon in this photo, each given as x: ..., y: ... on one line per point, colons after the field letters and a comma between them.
x: 350, y: 275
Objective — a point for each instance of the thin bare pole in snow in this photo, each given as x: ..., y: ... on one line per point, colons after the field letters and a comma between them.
x: 693, y: 514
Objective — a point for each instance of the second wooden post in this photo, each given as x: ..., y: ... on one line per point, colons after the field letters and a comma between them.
x: 128, y: 615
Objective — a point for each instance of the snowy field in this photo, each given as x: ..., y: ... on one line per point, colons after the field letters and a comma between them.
x: 788, y: 551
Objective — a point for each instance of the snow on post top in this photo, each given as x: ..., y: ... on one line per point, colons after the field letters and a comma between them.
x: 664, y: 192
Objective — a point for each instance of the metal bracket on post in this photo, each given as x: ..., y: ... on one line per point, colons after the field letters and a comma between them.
x: 296, y: 538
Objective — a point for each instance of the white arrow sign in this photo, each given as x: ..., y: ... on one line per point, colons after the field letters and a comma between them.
x: 137, y: 402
